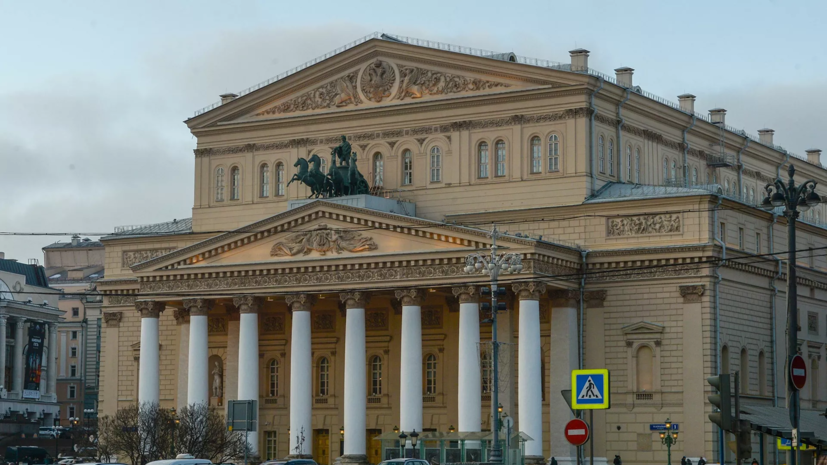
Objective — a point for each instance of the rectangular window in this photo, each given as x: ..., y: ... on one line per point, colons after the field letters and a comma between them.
x: 722, y: 233
x: 741, y: 238
x: 72, y: 393
x: 758, y: 243
x: 71, y: 410
x: 812, y: 323
x: 436, y: 165
x: 74, y: 335
x: 73, y: 371
x: 270, y: 445
x: 73, y: 352
x: 75, y: 311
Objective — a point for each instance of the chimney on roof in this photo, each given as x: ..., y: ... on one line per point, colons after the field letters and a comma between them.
x: 687, y: 102
x: 814, y: 156
x: 579, y: 59
x: 765, y: 136
x: 75, y: 239
x: 624, y: 76
x: 228, y: 98
x: 717, y: 116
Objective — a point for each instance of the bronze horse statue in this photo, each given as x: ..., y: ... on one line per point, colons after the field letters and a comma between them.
x: 310, y: 176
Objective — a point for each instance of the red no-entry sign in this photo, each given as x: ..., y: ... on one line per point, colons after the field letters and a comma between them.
x: 577, y: 432
x: 798, y: 372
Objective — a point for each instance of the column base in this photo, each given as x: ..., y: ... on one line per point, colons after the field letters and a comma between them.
x: 356, y: 459
x: 534, y: 460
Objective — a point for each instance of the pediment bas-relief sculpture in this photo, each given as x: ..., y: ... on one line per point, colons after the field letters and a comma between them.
x: 323, y: 240
x: 382, y: 81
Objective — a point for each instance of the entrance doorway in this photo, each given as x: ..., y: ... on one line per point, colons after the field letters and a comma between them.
x: 374, y: 446
x: 321, y: 446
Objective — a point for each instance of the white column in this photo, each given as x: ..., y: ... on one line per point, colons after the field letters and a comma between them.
x: 469, y: 417
x: 17, y: 360
x: 355, y: 377
x: 564, y: 350
x: 248, y: 307
x: 51, y: 386
x: 530, y: 395
x: 198, y: 382
x: 182, y: 319
x: 301, y: 376
x: 3, y: 350
x: 410, y: 380
x: 231, y: 375
x: 149, y: 390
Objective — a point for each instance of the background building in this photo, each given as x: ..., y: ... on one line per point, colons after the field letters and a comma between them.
x: 636, y: 218
x: 73, y: 267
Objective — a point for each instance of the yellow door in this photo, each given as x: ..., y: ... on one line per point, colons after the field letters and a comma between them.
x: 321, y: 446
x: 374, y: 446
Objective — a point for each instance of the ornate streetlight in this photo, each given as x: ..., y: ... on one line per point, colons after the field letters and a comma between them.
x: 794, y: 199
x: 173, y: 421
x: 403, y: 438
x: 668, y: 438
x: 492, y: 264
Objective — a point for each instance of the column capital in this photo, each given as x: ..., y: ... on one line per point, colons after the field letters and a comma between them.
x: 182, y: 316
x: 466, y: 294
x: 247, y: 303
x: 112, y: 319
x: 410, y: 296
x: 530, y: 290
x: 149, y: 308
x: 198, y: 306
x: 595, y: 299
x: 355, y: 299
x: 692, y: 293
x: 300, y: 302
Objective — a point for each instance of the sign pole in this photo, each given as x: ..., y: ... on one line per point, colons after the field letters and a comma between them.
x: 591, y: 440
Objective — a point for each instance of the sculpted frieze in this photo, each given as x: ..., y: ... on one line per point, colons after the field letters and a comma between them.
x: 131, y: 257
x: 338, y: 93
x: 644, y: 225
x: 645, y: 273
x: 377, y: 80
x: 273, y: 324
x: 418, y: 82
x: 217, y: 325
x: 323, y: 240
x: 376, y: 320
x: 121, y: 300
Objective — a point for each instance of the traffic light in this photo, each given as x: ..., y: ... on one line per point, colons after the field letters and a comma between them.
x: 744, y: 441
x: 485, y: 295
x: 722, y: 401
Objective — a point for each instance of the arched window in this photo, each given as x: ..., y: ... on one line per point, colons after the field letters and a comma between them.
x: 726, y: 186
x: 486, y: 370
x: 500, y: 149
x: 762, y: 373
x: 707, y: 177
x: 744, y: 371
x: 645, y: 368
x: 482, y: 159
x: 611, y: 157
x: 378, y: 170
x: 219, y: 184
x: 714, y: 177
x: 273, y: 378
x: 674, y: 171
x: 751, y: 195
x: 637, y: 166
x: 235, y: 183
x: 407, y: 168
x: 376, y: 376
x: 601, y: 155
x: 323, y: 165
x: 430, y: 374
x: 744, y: 194
x: 280, y: 179
x: 725, y: 359
x: 665, y: 169
x: 536, y: 155
x: 324, y: 377
x: 817, y: 217
x: 436, y: 164
x: 553, y: 152
x: 628, y: 163
x: 694, y: 176
x: 264, y: 180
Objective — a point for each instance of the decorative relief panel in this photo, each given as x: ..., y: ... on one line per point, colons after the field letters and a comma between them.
x: 112, y: 319
x: 432, y: 317
x: 644, y: 225
x: 376, y: 320
x: 131, y: 257
x: 273, y: 324
x: 377, y: 80
x: 121, y: 300
x: 419, y: 82
x: 217, y: 325
x: 322, y: 239
x: 338, y: 93
x: 324, y: 322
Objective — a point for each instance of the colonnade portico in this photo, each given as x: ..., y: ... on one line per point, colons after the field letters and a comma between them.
x: 301, y: 395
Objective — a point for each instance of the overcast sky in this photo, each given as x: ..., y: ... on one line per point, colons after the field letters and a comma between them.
x: 93, y: 94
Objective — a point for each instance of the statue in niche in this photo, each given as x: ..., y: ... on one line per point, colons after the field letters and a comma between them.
x: 217, y: 380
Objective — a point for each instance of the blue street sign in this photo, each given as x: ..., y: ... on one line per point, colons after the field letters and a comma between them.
x: 661, y: 426
x: 590, y: 389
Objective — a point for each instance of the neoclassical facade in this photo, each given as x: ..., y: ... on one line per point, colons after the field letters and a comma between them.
x: 643, y: 252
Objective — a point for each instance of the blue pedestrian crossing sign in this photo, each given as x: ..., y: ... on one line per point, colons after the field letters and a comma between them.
x: 590, y: 390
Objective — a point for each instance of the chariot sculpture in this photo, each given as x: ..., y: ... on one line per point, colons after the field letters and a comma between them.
x: 342, y: 178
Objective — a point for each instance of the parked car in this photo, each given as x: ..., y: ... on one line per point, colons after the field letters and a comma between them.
x: 48, y: 432
x: 182, y: 459
x: 405, y: 461
x: 26, y: 454
x: 291, y: 462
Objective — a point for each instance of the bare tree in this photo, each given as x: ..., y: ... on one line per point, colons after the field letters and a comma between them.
x: 143, y: 434
x: 201, y: 432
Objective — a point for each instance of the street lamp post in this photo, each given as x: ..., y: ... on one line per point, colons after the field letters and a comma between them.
x: 669, y: 438
x: 492, y: 264
x: 414, y: 437
x: 402, y: 439
x: 173, y: 421
x: 794, y: 199
x: 73, y: 423
x: 57, y: 435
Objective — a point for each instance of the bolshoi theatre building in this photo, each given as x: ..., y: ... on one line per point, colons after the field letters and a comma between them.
x: 325, y: 276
